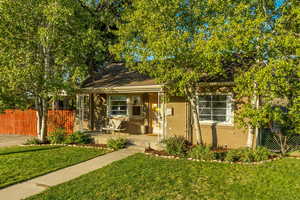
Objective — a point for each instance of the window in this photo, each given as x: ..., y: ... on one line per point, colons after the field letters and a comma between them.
x: 118, y: 105
x: 136, y: 105
x: 215, y: 108
x: 123, y: 105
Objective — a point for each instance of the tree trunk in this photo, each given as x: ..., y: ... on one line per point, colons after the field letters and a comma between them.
x: 253, y: 131
x: 196, y: 119
x: 42, y: 119
x: 250, y: 137
x: 43, y: 100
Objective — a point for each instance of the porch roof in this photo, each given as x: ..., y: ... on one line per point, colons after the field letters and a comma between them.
x: 116, y: 78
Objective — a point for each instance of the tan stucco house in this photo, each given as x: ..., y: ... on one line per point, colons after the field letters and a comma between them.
x: 140, y: 103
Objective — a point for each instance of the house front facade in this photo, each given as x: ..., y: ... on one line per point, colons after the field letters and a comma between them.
x: 142, y: 107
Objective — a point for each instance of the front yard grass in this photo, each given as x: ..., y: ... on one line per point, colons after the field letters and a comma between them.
x: 22, y: 163
x: 144, y: 177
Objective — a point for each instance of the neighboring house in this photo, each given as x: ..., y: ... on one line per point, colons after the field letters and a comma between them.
x: 138, y: 101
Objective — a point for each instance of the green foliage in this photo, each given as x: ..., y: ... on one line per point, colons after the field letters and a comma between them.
x: 117, y: 143
x: 248, y: 155
x: 50, y: 46
x: 34, y: 141
x: 57, y: 137
x: 176, y: 145
x: 274, y: 76
x: 202, y: 153
x: 79, y: 138
x: 261, y: 153
x: 182, y: 43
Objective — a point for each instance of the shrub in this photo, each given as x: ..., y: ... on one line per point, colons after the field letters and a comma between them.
x: 57, y: 137
x: 35, y: 141
x: 248, y: 155
x: 117, y: 143
x: 202, y: 153
x: 261, y: 153
x: 177, y: 146
x: 79, y: 138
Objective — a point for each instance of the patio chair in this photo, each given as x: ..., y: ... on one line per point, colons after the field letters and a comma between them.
x: 114, y: 125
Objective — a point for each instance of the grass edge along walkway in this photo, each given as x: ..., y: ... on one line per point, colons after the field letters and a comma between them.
x: 39, y: 184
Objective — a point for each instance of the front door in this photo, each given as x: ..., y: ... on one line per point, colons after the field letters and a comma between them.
x: 155, y: 118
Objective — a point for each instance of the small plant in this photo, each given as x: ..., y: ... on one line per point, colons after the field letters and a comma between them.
x: 117, y: 143
x: 79, y: 138
x: 248, y: 155
x: 177, y: 146
x: 57, y: 137
x: 261, y: 153
x: 34, y: 141
x: 202, y: 153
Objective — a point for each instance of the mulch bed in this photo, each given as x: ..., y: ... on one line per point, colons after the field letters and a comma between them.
x: 163, y: 154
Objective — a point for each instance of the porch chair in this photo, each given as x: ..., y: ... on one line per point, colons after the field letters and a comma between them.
x: 114, y: 125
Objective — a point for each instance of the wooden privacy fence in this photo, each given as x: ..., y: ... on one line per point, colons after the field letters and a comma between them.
x: 25, y: 122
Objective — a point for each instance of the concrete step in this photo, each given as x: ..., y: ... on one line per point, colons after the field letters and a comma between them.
x: 140, y: 141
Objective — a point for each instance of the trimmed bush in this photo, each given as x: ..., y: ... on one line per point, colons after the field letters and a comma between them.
x: 117, y: 143
x: 202, y: 153
x: 248, y: 155
x: 35, y: 141
x: 261, y: 153
x: 177, y: 146
x: 57, y: 137
x: 79, y: 138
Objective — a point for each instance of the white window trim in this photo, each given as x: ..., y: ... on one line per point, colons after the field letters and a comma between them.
x: 228, y: 104
x: 129, y: 99
x: 109, y: 107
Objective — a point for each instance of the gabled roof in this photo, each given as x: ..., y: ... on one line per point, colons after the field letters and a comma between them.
x: 117, y: 75
x: 117, y: 78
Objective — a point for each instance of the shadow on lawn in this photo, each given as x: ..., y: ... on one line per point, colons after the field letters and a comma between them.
x: 30, y: 150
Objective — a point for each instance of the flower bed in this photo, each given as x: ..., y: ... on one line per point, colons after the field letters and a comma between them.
x: 164, y: 154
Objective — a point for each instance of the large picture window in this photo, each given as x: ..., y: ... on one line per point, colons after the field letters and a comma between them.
x: 215, y: 108
x: 118, y: 105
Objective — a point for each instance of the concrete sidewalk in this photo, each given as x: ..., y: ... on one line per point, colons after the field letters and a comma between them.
x: 39, y: 184
x: 12, y: 140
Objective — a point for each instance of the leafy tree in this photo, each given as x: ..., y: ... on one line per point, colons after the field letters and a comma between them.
x: 274, y: 80
x: 48, y: 46
x: 183, y: 43
x: 41, y: 51
x: 101, y: 24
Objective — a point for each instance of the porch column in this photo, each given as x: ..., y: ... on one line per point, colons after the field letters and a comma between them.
x: 91, y: 112
x: 162, y: 110
x: 79, y: 112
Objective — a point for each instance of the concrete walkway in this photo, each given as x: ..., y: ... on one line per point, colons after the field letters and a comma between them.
x: 12, y: 140
x: 39, y: 184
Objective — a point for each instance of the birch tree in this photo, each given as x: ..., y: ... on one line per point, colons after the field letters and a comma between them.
x: 41, y: 52
x: 275, y: 76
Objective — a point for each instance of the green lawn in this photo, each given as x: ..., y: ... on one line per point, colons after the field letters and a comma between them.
x: 23, y: 163
x: 143, y: 177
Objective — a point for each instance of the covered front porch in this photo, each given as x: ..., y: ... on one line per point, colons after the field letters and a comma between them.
x: 118, y: 100
x: 116, y: 111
